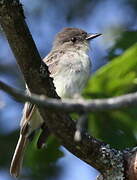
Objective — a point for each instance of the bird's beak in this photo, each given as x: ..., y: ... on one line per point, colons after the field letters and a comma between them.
x: 92, y: 36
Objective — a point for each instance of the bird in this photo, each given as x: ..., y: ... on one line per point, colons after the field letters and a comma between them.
x: 69, y: 65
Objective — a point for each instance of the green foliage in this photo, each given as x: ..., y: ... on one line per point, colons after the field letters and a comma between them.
x: 126, y: 39
x: 43, y: 160
x: 38, y: 164
x: 118, y: 77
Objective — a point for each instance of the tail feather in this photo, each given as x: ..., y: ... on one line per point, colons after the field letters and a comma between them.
x: 30, y: 121
x: 16, y: 163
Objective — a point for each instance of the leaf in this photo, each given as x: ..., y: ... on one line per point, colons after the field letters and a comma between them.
x: 116, y: 78
x: 43, y: 160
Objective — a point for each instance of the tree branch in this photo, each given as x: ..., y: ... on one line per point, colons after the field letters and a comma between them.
x: 90, y: 150
x: 73, y: 105
x: 29, y: 61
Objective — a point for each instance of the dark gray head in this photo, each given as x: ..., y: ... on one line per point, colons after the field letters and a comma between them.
x: 73, y: 36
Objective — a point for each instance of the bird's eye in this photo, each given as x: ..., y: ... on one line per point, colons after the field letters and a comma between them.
x: 73, y: 39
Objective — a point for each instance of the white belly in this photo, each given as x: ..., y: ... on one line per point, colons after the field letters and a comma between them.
x: 73, y: 77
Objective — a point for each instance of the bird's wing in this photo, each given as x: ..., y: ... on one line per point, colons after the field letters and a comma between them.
x: 27, y: 111
x: 52, y: 61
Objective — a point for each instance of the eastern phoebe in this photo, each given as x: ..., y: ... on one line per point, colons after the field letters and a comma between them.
x: 69, y: 65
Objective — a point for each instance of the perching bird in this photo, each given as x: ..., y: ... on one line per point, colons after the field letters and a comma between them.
x: 69, y: 65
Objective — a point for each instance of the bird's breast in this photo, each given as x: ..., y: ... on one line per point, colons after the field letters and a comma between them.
x: 73, y: 74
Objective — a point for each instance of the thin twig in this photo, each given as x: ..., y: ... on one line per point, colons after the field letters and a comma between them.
x: 73, y: 105
x: 81, y: 126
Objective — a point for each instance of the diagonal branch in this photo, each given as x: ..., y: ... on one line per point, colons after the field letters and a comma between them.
x: 90, y: 150
x: 73, y: 105
x: 29, y: 61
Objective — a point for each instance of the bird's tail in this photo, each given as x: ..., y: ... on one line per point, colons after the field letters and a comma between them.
x: 16, y: 163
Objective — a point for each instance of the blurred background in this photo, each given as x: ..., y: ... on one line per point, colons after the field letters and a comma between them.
x: 116, y: 49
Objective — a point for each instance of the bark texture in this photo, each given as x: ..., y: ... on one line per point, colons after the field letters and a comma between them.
x: 110, y: 162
